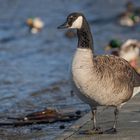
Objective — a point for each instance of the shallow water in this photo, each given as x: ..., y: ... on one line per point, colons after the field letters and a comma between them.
x: 34, y: 69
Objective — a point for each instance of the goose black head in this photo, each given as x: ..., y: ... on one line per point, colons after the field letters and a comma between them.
x: 73, y: 21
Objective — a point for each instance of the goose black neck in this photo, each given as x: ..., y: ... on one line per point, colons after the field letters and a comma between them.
x: 84, y: 36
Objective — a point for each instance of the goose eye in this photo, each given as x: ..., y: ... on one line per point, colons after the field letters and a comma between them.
x: 74, y: 17
x: 70, y: 18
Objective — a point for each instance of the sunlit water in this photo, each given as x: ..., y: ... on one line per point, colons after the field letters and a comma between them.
x: 34, y: 69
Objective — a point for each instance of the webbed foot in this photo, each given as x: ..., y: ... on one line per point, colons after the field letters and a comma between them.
x: 91, y: 132
x: 110, y: 131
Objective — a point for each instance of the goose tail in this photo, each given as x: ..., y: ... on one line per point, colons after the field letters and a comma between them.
x: 136, y: 91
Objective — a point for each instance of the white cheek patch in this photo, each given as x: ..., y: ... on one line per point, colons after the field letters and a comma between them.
x: 77, y: 23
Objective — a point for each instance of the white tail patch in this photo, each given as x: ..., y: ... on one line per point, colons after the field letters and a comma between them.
x: 136, y: 91
x: 77, y: 23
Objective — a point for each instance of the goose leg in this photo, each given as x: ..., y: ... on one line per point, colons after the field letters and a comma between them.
x: 95, y: 129
x: 113, y: 129
x: 116, y: 112
x: 94, y: 111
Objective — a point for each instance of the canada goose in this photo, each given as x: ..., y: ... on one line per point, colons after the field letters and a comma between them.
x: 104, y: 80
x: 129, y: 50
x: 34, y: 24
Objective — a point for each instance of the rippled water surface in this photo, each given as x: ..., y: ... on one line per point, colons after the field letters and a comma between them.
x: 34, y: 69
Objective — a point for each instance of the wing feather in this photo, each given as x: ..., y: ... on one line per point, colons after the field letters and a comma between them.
x: 119, y: 68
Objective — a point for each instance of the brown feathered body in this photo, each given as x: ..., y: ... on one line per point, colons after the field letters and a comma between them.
x: 103, y: 80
